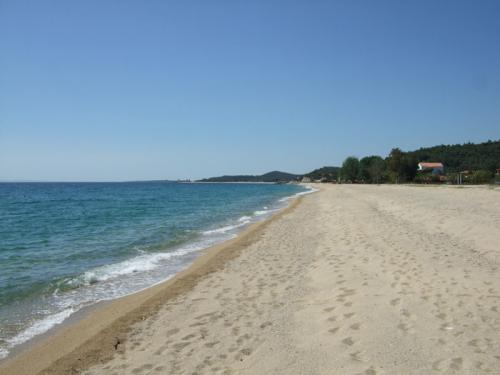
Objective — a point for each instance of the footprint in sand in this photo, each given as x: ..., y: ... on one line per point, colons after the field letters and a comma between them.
x: 368, y: 371
x: 355, y: 356
x: 456, y: 364
x: 348, y: 341
x: 333, y: 330
x: 403, y: 327
x: 436, y: 365
x: 355, y: 326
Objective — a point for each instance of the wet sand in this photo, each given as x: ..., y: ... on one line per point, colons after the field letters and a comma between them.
x: 350, y: 280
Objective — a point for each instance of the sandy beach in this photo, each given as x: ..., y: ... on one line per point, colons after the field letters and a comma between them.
x: 353, y: 279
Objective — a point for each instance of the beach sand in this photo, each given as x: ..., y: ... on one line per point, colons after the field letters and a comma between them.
x: 353, y: 279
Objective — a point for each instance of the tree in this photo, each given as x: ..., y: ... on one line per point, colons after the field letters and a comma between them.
x: 410, y: 165
x: 350, y: 169
x: 395, y: 163
x: 461, y: 157
x: 372, y: 169
x: 402, y: 165
x: 482, y: 177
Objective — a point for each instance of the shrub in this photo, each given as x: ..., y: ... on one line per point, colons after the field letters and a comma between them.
x: 481, y: 177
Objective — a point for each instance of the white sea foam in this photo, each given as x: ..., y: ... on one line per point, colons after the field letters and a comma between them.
x: 141, y: 263
x: 309, y: 190
x: 222, y: 230
x: 73, y: 301
x: 260, y: 213
x: 3, y: 353
x: 37, y: 328
x: 244, y: 220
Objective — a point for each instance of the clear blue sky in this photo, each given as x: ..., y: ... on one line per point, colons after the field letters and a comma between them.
x: 121, y: 90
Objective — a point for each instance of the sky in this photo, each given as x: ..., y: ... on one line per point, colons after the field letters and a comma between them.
x: 139, y: 90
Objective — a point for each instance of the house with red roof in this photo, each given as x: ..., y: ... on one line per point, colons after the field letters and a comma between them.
x: 434, y: 168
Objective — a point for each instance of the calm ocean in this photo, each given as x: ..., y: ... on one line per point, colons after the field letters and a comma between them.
x: 64, y: 246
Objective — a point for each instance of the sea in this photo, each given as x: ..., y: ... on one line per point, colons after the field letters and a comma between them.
x: 66, y: 246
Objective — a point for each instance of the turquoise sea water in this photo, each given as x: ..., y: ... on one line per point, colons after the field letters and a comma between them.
x: 64, y: 246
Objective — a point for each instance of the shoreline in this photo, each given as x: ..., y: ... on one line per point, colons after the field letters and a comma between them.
x: 183, y: 255
x: 357, y: 279
x: 94, y: 334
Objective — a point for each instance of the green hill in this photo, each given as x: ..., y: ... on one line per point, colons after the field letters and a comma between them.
x: 277, y: 176
x: 328, y: 173
x: 274, y: 176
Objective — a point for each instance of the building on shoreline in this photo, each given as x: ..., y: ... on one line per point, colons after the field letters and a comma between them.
x: 434, y: 168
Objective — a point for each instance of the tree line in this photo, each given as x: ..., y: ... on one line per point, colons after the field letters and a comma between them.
x: 479, y: 161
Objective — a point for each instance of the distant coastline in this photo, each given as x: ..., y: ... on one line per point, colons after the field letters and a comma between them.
x: 229, y: 182
x: 468, y: 163
x: 478, y: 162
x: 274, y: 176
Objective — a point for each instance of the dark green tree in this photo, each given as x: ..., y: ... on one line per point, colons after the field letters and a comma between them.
x: 409, y: 168
x: 350, y: 169
x: 395, y: 164
x: 402, y: 166
x: 461, y: 157
x: 482, y: 177
x: 372, y: 169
